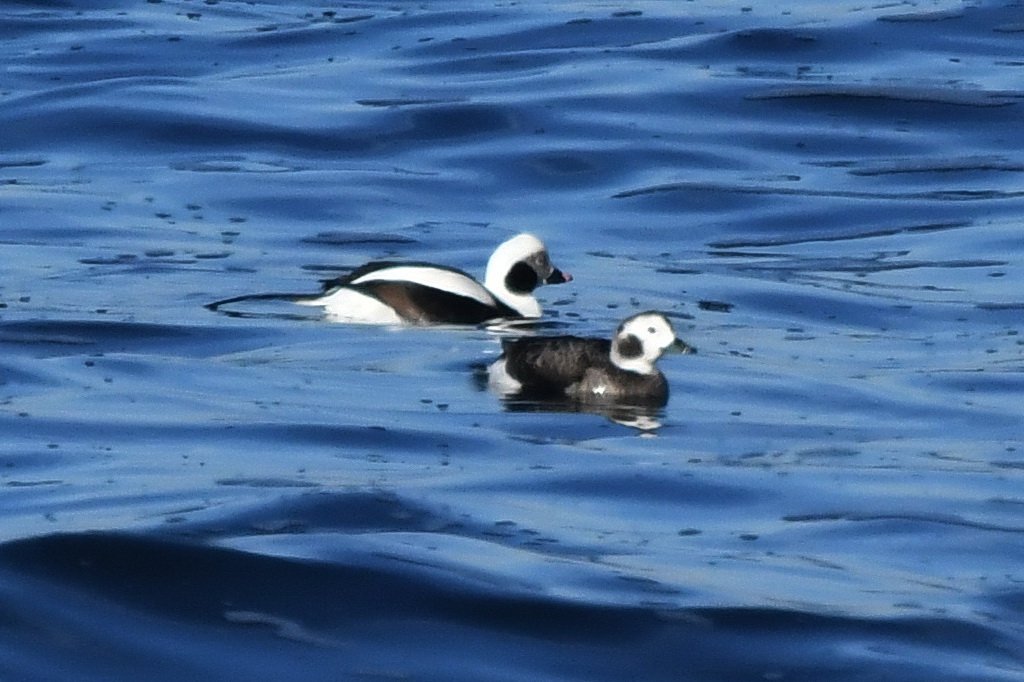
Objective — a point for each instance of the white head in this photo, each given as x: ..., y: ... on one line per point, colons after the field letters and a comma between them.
x: 640, y: 340
x: 516, y: 268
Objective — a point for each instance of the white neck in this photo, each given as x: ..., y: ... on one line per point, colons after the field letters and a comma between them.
x: 524, y: 304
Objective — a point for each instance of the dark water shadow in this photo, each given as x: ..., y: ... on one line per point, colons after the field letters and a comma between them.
x: 113, y: 606
x: 70, y: 337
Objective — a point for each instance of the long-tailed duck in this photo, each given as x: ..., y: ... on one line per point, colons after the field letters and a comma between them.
x: 414, y: 293
x: 620, y: 370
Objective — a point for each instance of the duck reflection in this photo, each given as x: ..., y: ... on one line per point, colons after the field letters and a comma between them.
x: 614, y: 377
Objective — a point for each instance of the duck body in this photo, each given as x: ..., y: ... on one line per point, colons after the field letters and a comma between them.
x: 388, y: 292
x: 577, y: 368
x: 619, y: 370
x: 395, y: 293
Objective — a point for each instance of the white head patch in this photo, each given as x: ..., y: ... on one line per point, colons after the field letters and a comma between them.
x: 639, y: 342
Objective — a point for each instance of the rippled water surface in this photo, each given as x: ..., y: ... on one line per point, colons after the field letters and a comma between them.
x: 826, y: 198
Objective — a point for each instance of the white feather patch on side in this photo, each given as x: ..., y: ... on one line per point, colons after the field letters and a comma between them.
x: 436, y: 278
x: 500, y: 381
x: 346, y: 305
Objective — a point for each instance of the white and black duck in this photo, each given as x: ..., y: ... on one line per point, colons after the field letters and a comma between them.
x: 620, y: 370
x: 415, y: 293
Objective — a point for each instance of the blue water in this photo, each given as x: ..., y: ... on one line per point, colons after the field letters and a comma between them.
x: 826, y: 197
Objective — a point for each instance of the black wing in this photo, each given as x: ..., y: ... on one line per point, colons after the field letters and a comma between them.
x: 554, y: 362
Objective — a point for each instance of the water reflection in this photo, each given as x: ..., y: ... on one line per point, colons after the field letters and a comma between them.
x: 646, y: 418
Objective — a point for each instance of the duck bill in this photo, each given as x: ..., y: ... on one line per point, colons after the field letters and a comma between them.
x: 558, y: 277
x: 682, y: 347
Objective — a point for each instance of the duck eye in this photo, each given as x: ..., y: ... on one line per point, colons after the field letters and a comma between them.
x: 651, y: 330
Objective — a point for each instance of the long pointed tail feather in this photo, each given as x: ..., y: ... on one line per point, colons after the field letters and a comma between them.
x: 290, y: 297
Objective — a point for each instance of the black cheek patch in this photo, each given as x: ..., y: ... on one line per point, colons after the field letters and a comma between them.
x: 630, y: 347
x: 521, y: 279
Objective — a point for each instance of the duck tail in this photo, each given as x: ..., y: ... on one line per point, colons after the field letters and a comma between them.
x: 289, y: 297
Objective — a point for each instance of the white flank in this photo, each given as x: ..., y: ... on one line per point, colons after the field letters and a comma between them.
x: 346, y: 305
x: 500, y: 381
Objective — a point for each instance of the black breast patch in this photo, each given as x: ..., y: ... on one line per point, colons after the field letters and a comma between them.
x: 521, y: 279
x: 629, y: 346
